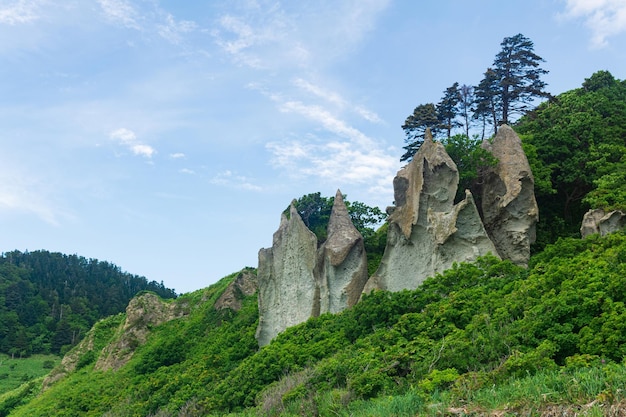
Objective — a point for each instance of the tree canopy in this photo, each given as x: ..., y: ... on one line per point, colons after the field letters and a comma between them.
x: 48, y: 301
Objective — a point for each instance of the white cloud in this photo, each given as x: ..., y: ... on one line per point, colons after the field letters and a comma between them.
x: 173, y: 30
x: 234, y: 180
x: 120, y: 11
x: 177, y: 155
x: 128, y: 138
x: 19, y: 12
x: 187, y: 171
x: 605, y: 18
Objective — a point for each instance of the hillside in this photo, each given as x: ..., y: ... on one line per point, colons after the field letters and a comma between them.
x: 475, y: 326
x: 48, y: 301
x: 484, y: 338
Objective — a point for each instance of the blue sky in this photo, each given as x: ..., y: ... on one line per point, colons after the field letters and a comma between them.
x: 167, y: 136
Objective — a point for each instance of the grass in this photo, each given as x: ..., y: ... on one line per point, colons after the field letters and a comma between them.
x: 588, y: 391
x: 14, y: 372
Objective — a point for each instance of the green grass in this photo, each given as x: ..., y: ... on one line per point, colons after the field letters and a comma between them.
x: 14, y: 371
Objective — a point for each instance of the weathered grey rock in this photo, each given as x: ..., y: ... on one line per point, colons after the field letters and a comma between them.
x: 341, y: 264
x: 287, y: 287
x: 427, y: 231
x: 142, y: 313
x: 601, y: 222
x: 242, y: 286
x: 510, y: 211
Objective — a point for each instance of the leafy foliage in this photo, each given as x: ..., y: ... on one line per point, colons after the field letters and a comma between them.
x: 48, y: 301
x: 576, y: 145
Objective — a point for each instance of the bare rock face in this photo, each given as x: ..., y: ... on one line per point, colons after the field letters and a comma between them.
x: 427, y: 231
x: 287, y: 288
x: 601, y: 222
x: 342, y: 264
x: 142, y: 313
x: 510, y: 211
x: 244, y: 285
x: 298, y: 281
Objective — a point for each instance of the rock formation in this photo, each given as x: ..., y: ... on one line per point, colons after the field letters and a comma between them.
x: 598, y: 221
x: 287, y: 290
x: 428, y: 233
x: 142, y: 313
x: 509, y: 208
x: 242, y: 286
x: 341, y: 264
x: 297, y: 281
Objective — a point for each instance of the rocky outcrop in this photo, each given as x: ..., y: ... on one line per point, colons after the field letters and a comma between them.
x: 509, y: 208
x: 341, y: 271
x: 297, y: 280
x: 143, y: 313
x: 428, y: 233
x: 287, y: 289
x: 600, y: 222
x: 242, y: 286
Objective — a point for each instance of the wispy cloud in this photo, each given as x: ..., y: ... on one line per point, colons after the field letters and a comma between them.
x: 177, y: 155
x: 19, y: 12
x: 232, y: 179
x: 121, y: 12
x: 173, y: 30
x: 605, y: 18
x: 269, y: 35
x: 128, y: 138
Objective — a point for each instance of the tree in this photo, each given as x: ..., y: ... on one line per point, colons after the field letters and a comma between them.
x: 579, y: 142
x: 423, y: 117
x: 519, y: 76
x: 487, y: 101
x: 448, y: 109
x: 466, y: 93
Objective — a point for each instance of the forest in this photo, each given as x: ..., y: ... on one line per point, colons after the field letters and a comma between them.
x: 483, y: 338
x: 48, y: 301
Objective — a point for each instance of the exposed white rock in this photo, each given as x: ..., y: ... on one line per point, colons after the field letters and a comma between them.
x: 510, y: 211
x: 428, y: 233
x: 342, y: 263
x: 601, y: 222
x: 287, y: 288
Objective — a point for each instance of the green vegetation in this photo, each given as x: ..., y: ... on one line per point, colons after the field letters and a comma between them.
x: 576, y: 145
x: 484, y: 336
x: 48, y: 301
x: 508, y: 88
x: 15, y: 372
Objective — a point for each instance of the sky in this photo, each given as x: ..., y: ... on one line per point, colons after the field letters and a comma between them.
x: 167, y: 136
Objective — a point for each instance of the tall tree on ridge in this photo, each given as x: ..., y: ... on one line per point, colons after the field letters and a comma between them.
x: 423, y: 117
x: 519, y: 76
x: 487, y: 101
x: 448, y: 109
x: 465, y: 105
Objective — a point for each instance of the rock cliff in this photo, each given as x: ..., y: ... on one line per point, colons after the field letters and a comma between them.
x: 427, y: 231
x: 341, y: 264
x: 599, y: 221
x: 297, y: 280
x: 509, y: 208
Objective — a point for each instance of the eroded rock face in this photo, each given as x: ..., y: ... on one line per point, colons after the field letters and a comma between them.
x: 342, y: 264
x: 427, y: 231
x: 287, y: 288
x: 510, y: 211
x: 142, y: 313
x: 297, y: 280
x: 243, y: 285
x: 601, y: 222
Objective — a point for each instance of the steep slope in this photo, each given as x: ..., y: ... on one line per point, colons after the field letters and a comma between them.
x: 478, y: 324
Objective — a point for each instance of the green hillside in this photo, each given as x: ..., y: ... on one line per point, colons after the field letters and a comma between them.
x: 48, y: 301
x: 487, y: 338
x: 477, y: 326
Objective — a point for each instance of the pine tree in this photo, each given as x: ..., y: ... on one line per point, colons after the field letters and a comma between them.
x: 448, y: 109
x: 424, y: 116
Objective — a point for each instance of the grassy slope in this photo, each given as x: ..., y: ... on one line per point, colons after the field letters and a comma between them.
x: 15, y: 372
x: 479, y: 337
